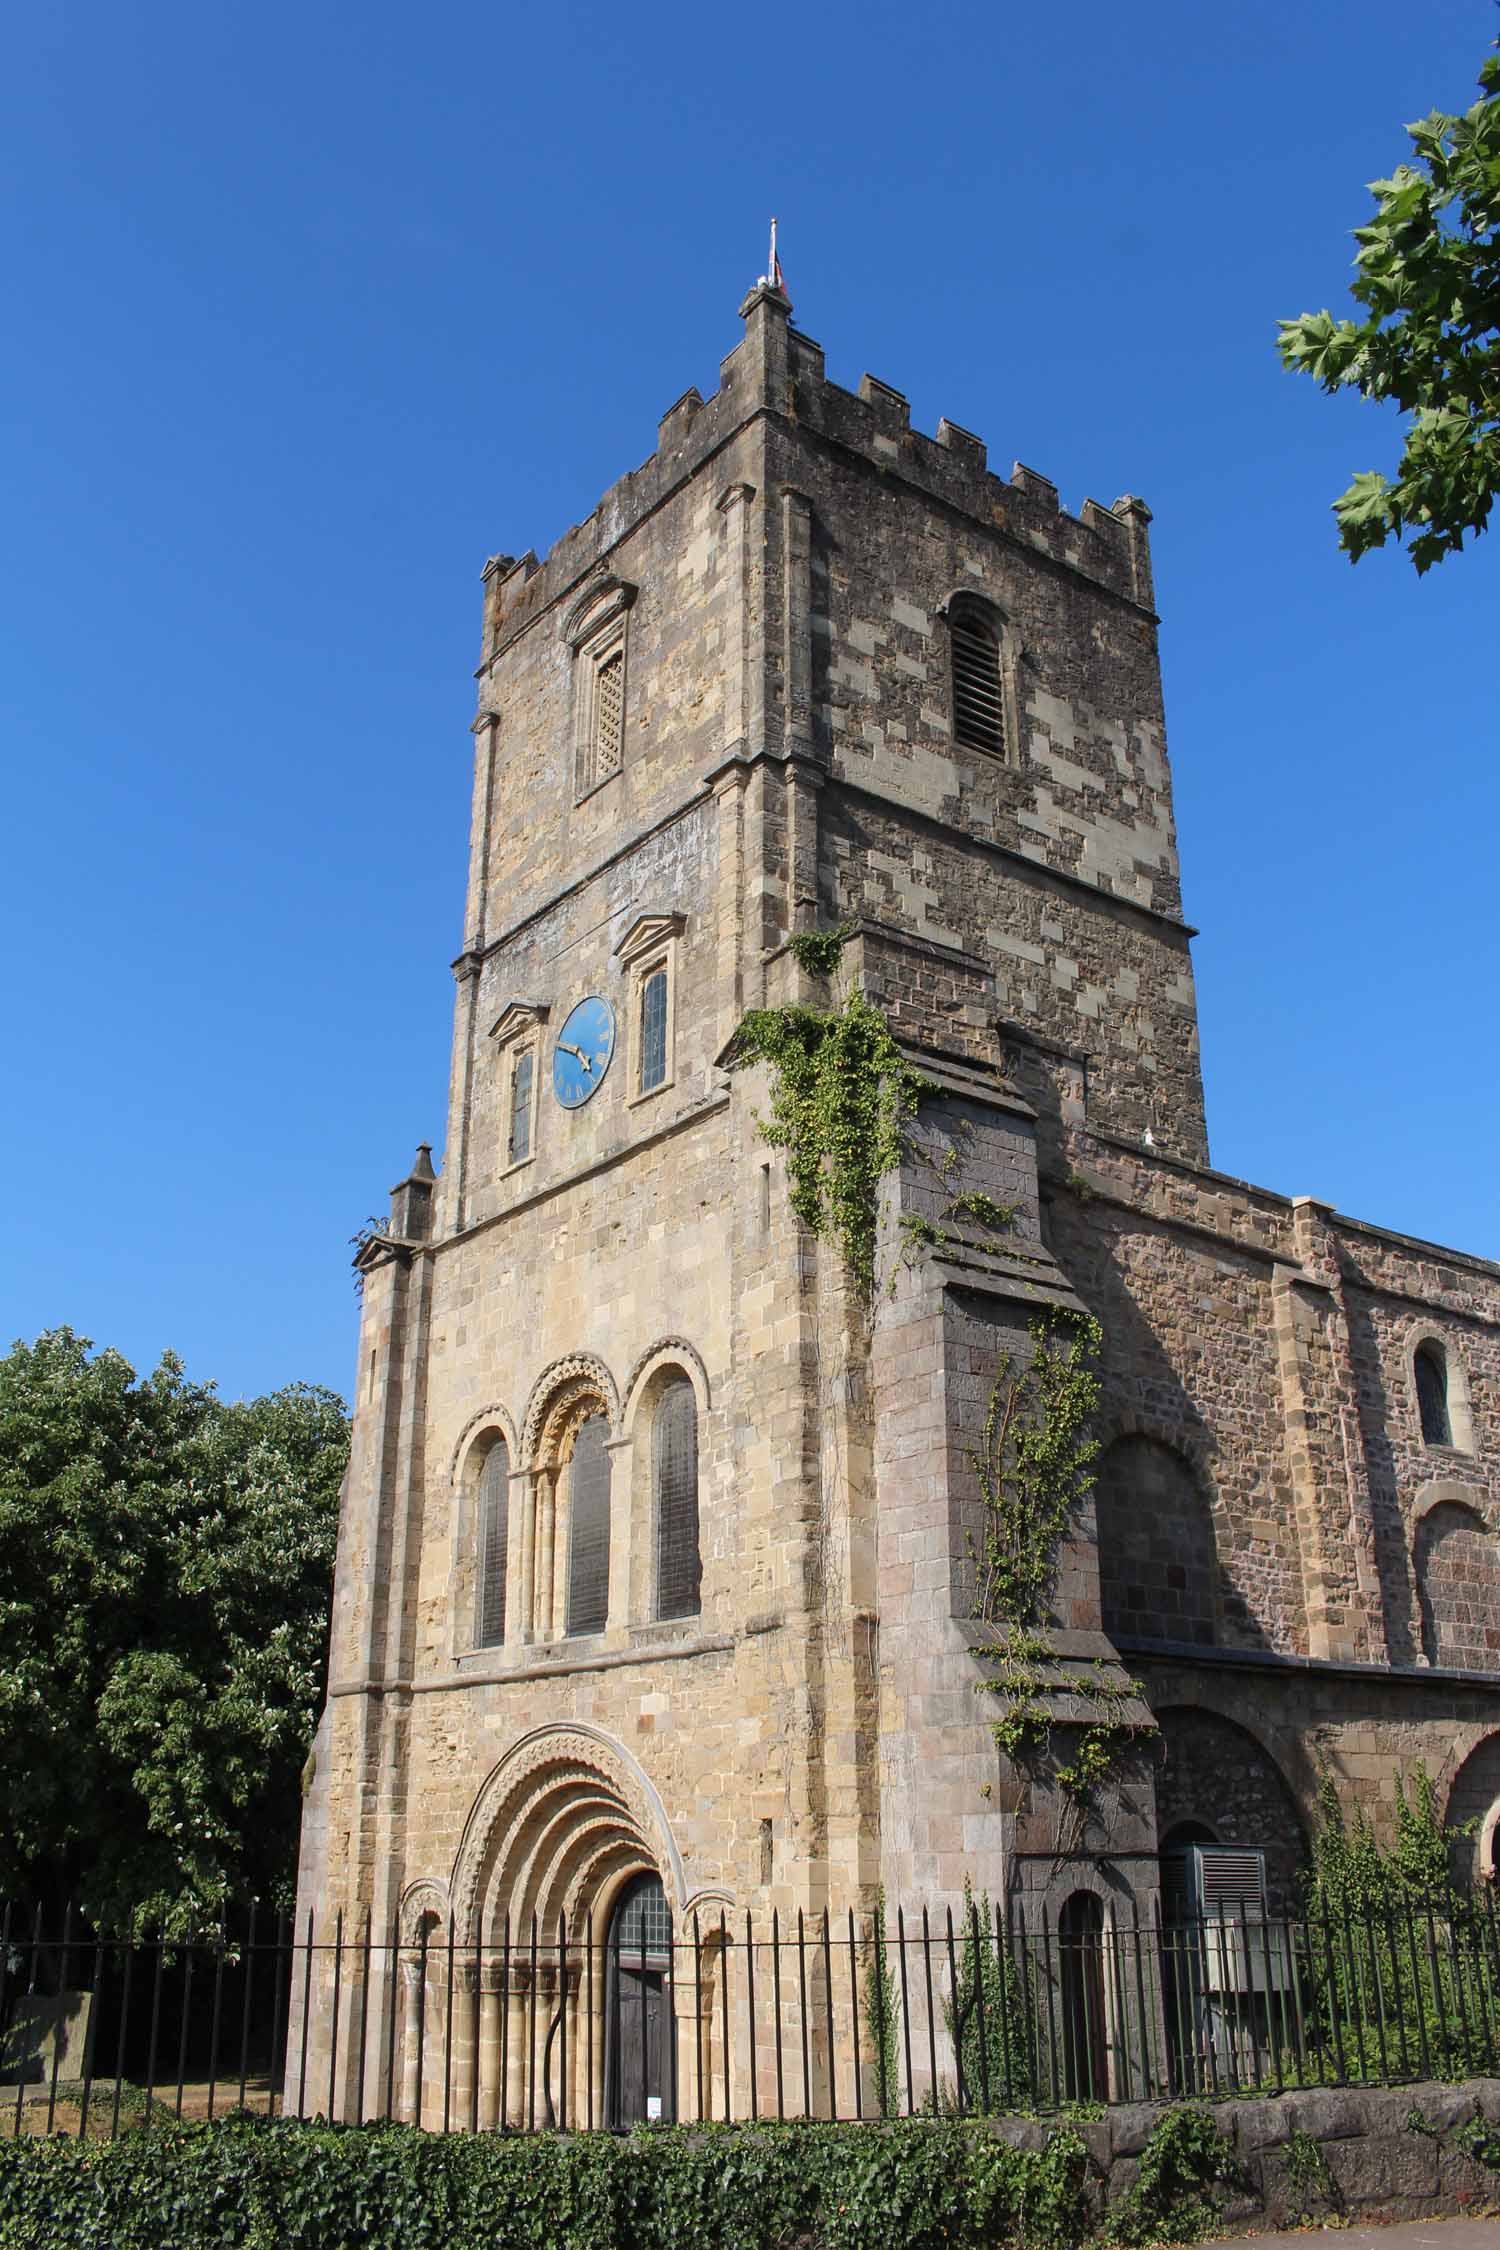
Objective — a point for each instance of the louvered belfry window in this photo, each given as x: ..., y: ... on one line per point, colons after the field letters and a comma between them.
x: 494, y: 1544
x: 609, y: 714
x: 588, y: 1550
x: 679, y: 1569
x: 978, y: 705
x: 653, y: 1030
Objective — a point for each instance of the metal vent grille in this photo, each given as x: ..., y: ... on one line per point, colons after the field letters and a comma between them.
x: 588, y: 1552
x: 1176, y: 1890
x: 978, y: 708
x: 653, y: 1030
x: 494, y: 1543
x: 609, y: 713
x: 1231, y: 1878
x: 679, y: 1570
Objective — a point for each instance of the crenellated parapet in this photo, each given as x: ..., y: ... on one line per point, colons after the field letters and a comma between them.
x: 778, y: 371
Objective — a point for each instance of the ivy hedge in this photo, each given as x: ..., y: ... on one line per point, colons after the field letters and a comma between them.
x: 929, y: 2184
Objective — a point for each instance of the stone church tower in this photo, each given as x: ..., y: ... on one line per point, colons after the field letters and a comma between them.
x: 653, y: 1591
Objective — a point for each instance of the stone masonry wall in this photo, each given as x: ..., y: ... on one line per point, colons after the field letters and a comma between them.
x: 1158, y: 1577
x: 1372, y: 2165
x: 1055, y: 863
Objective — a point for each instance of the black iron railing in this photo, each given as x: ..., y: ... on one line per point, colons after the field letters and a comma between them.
x: 963, y: 2010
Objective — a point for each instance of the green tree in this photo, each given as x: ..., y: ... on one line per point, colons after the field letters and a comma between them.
x: 1400, y: 1965
x: 165, y: 1564
x: 993, y: 2026
x: 1428, y: 277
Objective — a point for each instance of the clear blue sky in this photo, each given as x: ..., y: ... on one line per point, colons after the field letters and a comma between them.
x: 310, y: 309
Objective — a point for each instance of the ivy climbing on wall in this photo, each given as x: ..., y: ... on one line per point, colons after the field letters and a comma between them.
x: 1034, y: 1467
x: 842, y: 1096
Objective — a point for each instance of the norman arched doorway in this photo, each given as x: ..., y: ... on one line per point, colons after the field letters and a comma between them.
x: 640, y: 2052
x: 1080, y: 1945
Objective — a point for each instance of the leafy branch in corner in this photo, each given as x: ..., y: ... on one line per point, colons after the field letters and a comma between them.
x: 370, y: 1230
x: 1428, y: 281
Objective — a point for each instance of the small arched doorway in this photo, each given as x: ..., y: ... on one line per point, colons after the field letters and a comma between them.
x: 640, y: 2049
x: 1080, y: 1945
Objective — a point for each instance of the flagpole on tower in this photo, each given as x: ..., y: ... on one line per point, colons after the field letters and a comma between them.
x: 773, y: 271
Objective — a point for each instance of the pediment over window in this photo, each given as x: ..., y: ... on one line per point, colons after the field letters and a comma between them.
x: 646, y: 931
x: 596, y: 607
x: 516, y: 1017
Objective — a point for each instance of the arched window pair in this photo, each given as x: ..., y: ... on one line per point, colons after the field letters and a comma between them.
x: 677, y: 1574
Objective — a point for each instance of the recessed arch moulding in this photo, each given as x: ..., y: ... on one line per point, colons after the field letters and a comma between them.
x: 565, y: 1818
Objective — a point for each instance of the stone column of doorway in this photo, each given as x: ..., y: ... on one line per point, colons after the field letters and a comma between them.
x: 515, y: 2046
x: 466, y: 1994
x: 489, y: 2046
x: 412, y: 1981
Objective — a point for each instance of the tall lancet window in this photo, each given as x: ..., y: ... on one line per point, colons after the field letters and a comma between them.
x: 674, y: 1441
x: 588, y: 1542
x: 1431, y: 1369
x: 494, y: 1544
x: 653, y: 1030
x: 978, y: 698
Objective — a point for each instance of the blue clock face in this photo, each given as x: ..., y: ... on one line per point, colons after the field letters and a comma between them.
x: 582, y: 1054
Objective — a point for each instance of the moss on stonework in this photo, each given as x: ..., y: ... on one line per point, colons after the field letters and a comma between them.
x: 817, y: 951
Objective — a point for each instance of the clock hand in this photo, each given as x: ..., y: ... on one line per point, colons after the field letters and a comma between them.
x: 578, y: 1051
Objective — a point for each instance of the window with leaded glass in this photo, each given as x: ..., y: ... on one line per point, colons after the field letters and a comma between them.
x: 653, y: 1030
x: 642, y: 1921
x: 519, y: 1141
x: 588, y: 1548
x: 679, y: 1568
x: 494, y: 1544
x: 978, y: 699
x: 1432, y: 1395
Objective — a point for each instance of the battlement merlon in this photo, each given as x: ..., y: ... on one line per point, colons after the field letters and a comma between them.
x: 777, y: 370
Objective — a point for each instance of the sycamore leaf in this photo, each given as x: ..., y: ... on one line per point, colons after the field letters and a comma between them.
x: 1427, y: 273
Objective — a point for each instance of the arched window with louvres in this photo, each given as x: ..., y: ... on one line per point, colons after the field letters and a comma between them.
x: 674, y: 1449
x: 978, y: 691
x: 494, y: 1544
x: 588, y: 1541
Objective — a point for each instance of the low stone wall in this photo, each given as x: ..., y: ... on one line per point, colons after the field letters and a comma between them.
x: 1327, y: 2153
